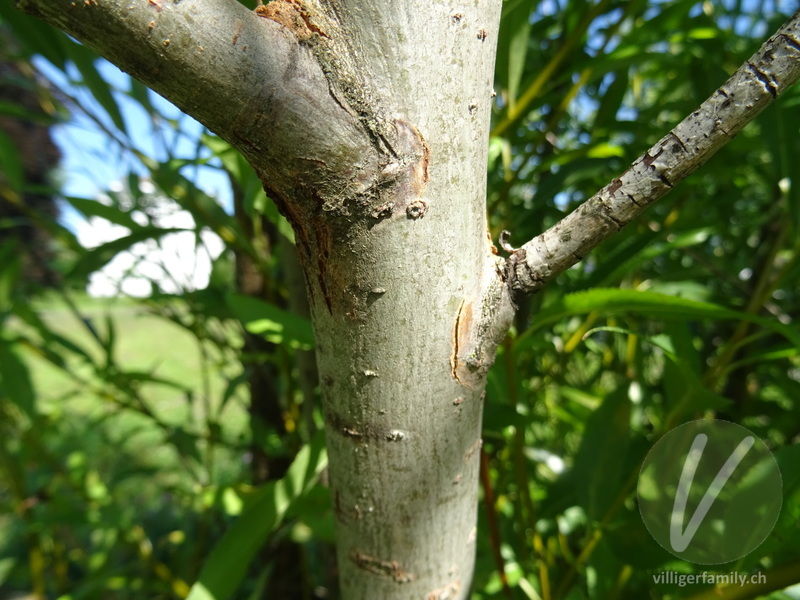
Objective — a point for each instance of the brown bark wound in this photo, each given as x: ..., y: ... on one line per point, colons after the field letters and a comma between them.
x: 293, y: 15
x: 387, y: 568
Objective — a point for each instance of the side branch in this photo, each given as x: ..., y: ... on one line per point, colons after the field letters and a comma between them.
x: 770, y: 71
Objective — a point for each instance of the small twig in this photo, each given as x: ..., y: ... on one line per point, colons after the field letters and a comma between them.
x: 503, y: 241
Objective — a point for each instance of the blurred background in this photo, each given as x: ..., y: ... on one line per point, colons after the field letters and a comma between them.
x: 159, y: 414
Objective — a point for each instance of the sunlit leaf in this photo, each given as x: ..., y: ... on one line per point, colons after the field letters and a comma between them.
x: 269, y: 321
x: 620, y: 301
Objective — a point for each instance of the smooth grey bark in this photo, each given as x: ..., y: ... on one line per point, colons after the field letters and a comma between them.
x: 769, y: 72
x: 367, y: 121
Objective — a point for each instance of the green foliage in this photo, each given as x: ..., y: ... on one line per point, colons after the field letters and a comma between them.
x: 274, y: 324
x: 129, y: 451
x: 687, y: 314
x: 128, y: 442
x: 227, y: 564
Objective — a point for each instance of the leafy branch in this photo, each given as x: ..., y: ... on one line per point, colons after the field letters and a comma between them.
x: 753, y: 87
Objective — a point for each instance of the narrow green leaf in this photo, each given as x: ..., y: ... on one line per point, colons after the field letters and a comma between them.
x: 783, y: 539
x: 141, y: 94
x: 691, y: 290
x: 93, y: 208
x: 96, y: 258
x: 628, y: 254
x: 655, y: 340
x: 51, y: 338
x: 12, y: 109
x: 15, y: 380
x: 605, y: 150
x: 315, y: 511
x: 572, y: 170
x: 274, y: 324
x: 84, y: 60
x: 231, y: 160
x: 683, y: 388
x: 599, y: 463
x: 660, y: 306
x: 682, y: 340
x: 142, y: 377
x: 6, y: 566
x: 230, y: 389
x: 788, y: 458
x: 766, y: 355
x: 109, y: 343
x: 10, y: 266
x: 698, y: 33
x: 255, y: 200
x: 612, y: 100
x: 35, y: 36
x: 230, y: 558
x: 519, y: 28
x: 685, y: 393
x: 185, y: 443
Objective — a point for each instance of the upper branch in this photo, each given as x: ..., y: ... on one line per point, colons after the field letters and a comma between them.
x: 760, y: 80
x: 254, y: 81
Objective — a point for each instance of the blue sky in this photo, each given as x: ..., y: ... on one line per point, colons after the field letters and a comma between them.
x: 92, y: 163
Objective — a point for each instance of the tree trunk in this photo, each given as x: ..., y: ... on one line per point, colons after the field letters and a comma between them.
x: 398, y: 274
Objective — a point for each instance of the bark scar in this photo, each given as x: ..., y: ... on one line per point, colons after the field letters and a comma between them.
x: 476, y: 445
x: 463, y: 319
x: 446, y: 592
x: 386, y: 568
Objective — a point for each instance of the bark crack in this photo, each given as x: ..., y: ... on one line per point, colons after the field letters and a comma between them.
x: 791, y: 42
x: 609, y: 216
x: 455, y: 342
x: 633, y: 200
x: 679, y: 140
x: 765, y: 79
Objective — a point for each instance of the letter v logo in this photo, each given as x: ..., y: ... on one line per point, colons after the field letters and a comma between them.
x: 709, y: 491
x: 680, y: 540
